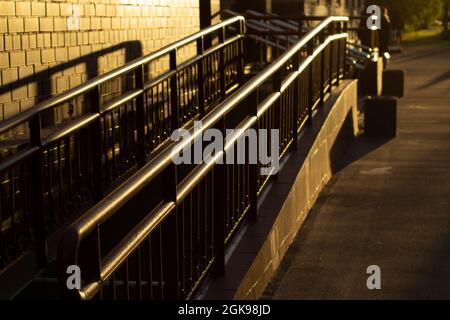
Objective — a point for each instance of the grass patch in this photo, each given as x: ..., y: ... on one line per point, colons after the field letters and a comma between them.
x: 424, y: 37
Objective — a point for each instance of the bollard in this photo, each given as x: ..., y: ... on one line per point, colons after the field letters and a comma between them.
x: 372, y: 78
x: 393, y: 83
x: 380, y: 116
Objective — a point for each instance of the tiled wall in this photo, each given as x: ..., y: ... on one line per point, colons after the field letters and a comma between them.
x: 44, y: 39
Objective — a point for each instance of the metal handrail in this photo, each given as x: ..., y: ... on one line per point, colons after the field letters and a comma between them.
x: 27, y: 115
x: 259, y: 29
x: 57, y: 171
x: 270, y: 70
x: 263, y: 28
x: 156, y: 165
x: 275, y: 18
x: 88, y: 223
x: 359, y: 53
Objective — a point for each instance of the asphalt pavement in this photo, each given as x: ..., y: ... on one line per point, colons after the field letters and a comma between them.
x: 388, y: 206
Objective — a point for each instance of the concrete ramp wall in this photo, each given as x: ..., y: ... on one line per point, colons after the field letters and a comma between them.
x: 255, y: 256
x: 317, y: 168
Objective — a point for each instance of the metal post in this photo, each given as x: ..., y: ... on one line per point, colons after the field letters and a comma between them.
x: 174, y: 91
x: 241, y: 44
x: 322, y: 70
x: 169, y: 230
x: 206, y: 20
x: 140, y: 117
x: 295, y: 116
x: 38, y: 194
x: 339, y: 45
x: 310, y: 49
x: 344, y: 58
x: 205, y: 13
x: 330, y: 75
x: 222, y: 64
x: 253, y: 183
x: 300, y: 27
x: 220, y: 207
x: 276, y: 85
x: 201, y: 77
x: 96, y: 144
x: 301, y: 15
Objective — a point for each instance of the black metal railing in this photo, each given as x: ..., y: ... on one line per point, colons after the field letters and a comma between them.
x: 272, y: 34
x: 158, y: 234
x: 106, y: 129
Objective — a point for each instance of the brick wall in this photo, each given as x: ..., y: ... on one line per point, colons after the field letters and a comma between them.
x: 45, y: 49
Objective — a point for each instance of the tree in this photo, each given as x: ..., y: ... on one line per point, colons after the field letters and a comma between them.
x: 417, y: 14
x: 446, y: 18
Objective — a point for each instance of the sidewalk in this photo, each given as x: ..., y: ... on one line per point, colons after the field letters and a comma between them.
x: 388, y: 206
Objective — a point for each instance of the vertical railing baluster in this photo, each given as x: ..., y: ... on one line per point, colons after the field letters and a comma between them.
x: 175, y: 119
x: 300, y: 27
x: 169, y: 236
x: 310, y: 48
x: 12, y: 198
x: 322, y: 69
x: 253, y: 176
x: 220, y: 205
x: 331, y: 60
x: 69, y: 171
x: 126, y: 280
x: 296, y: 101
x: 241, y: 55
x: 139, y: 273
x: 338, y: 43
x: 222, y: 64
x: 3, y: 206
x: 96, y: 144
x: 277, y: 118
x: 344, y: 58
x: 37, y: 175
x: 140, y: 117
x: 201, y: 77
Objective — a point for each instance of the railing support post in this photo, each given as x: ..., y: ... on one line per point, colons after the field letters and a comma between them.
x: 296, y: 107
x: 96, y: 144
x: 223, y: 88
x: 201, y: 77
x: 339, y: 45
x: 220, y: 209
x: 277, y: 122
x: 38, y: 194
x: 310, y: 49
x: 322, y: 70
x: 241, y: 44
x: 330, y: 75
x: 253, y: 177
x: 169, y: 230
x: 140, y: 117
x: 300, y: 26
x: 344, y: 58
x: 174, y: 91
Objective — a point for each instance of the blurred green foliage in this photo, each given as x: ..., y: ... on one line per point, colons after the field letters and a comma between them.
x: 417, y: 14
